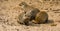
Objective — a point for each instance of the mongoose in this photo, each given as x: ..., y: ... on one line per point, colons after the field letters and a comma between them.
x: 30, y: 13
x: 29, y: 10
x: 23, y: 19
x: 26, y: 7
x: 41, y: 17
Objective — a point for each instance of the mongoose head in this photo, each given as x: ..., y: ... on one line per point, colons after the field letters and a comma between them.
x: 23, y: 4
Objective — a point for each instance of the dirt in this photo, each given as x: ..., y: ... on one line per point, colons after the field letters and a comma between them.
x: 10, y: 10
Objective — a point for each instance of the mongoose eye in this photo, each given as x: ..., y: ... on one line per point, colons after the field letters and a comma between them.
x: 25, y: 12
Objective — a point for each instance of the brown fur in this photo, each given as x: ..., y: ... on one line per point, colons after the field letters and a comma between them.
x: 28, y: 14
x: 41, y: 17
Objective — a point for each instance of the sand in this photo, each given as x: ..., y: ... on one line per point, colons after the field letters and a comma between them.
x: 10, y: 10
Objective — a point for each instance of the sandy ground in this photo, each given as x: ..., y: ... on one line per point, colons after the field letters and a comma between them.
x: 9, y: 11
